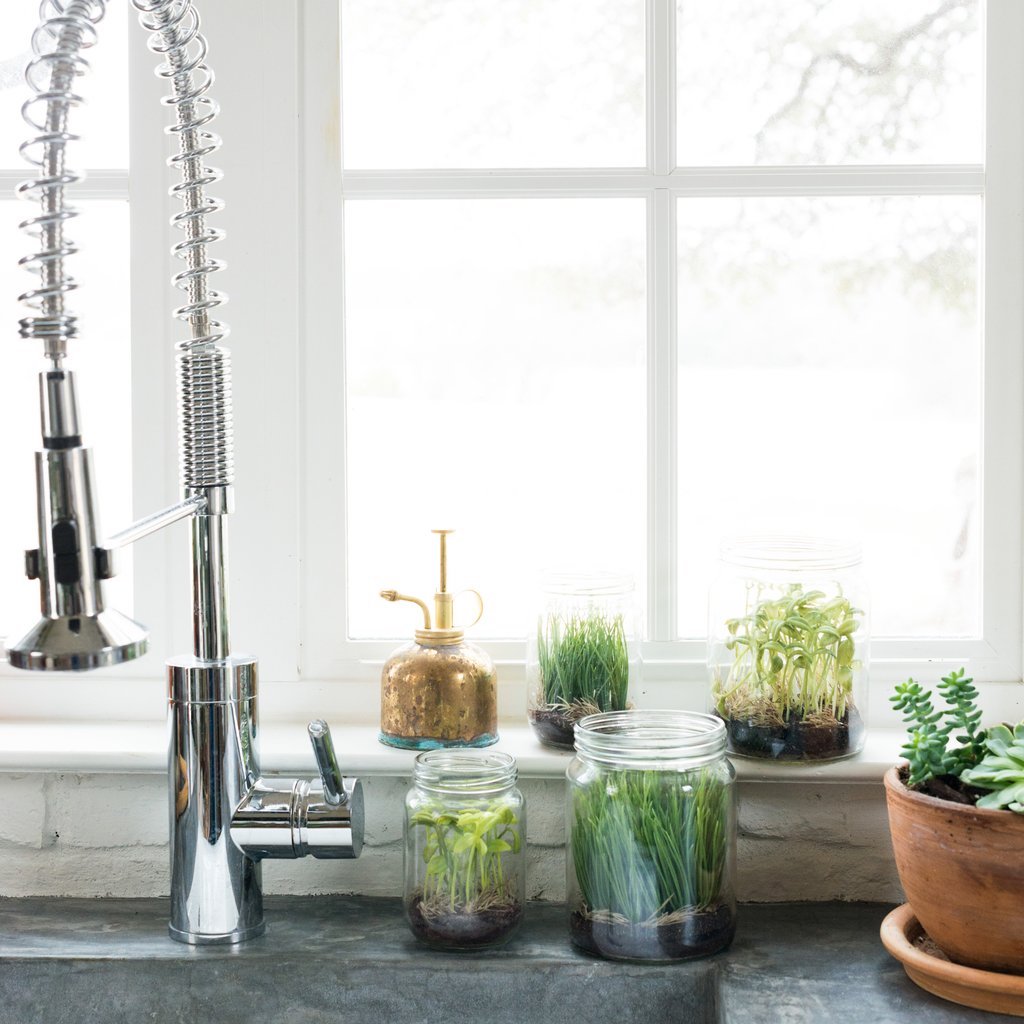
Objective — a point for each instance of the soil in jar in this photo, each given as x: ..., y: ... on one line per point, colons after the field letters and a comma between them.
x: 682, y: 935
x: 473, y: 928
x: 554, y: 727
x: 554, y: 724
x: 812, y: 738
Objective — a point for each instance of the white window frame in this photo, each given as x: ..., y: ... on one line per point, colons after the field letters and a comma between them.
x: 285, y: 188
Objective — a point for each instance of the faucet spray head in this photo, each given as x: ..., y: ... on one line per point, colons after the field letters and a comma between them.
x: 75, y: 632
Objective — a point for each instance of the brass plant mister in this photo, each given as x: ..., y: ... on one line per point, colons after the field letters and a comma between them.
x: 440, y: 690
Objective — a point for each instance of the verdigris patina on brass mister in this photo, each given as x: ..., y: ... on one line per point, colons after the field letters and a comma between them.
x: 440, y: 690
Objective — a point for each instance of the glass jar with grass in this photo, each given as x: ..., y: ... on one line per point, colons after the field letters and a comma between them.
x: 788, y: 648
x: 465, y: 849
x: 652, y: 836
x: 582, y: 658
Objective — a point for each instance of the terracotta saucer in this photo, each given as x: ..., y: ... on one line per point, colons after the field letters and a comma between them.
x: 928, y: 967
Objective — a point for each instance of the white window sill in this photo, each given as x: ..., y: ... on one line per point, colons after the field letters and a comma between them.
x: 88, y: 747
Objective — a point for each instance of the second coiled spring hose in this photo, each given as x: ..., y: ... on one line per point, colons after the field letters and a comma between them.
x: 67, y: 27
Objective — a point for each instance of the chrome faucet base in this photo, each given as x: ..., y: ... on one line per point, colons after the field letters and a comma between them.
x: 215, y: 891
x: 226, y: 818
x: 207, y: 939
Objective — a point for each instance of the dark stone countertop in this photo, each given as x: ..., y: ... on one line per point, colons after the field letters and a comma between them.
x: 352, y: 959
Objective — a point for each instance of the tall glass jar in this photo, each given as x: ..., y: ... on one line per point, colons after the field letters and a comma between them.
x: 788, y: 648
x: 582, y: 658
x: 465, y: 849
x: 652, y: 836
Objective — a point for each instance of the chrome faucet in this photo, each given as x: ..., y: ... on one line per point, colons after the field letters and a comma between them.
x: 225, y: 817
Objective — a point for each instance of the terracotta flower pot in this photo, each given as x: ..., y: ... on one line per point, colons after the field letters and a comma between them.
x: 963, y: 872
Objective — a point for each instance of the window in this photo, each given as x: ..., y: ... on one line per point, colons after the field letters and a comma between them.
x: 624, y: 278
x: 578, y: 277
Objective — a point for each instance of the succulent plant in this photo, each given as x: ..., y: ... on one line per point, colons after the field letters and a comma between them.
x: 927, y: 746
x: 1001, y: 770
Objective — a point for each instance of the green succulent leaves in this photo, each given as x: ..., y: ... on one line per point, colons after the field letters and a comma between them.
x: 927, y: 744
x: 1001, y: 769
x: 462, y: 850
x: 792, y: 655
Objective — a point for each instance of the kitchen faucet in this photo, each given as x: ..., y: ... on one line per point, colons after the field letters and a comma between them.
x: 225, y: 816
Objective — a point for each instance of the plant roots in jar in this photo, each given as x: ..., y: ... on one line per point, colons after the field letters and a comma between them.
x: 682, y: 935
x: 814, y: 738
x: 554, y: 726
x: 479, y: 926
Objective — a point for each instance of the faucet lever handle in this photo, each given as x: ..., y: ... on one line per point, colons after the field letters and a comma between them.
x: 327, y: 762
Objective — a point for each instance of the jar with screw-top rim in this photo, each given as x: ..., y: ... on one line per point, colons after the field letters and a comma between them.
x: 582, y: 658
x: 465, y: 849
x: 651, y: 836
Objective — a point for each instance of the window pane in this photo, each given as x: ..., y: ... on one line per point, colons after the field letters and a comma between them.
x: 474, y: 83
x: 495, y: 384
x: 839, y: 81
x: 102, y: 121
x: 830, y: 375
x: 101, y: 359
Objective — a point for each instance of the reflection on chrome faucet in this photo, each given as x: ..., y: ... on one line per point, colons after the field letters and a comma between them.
x: 225, y: 816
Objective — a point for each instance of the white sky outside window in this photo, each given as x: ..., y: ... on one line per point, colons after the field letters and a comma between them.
x: 495, y: 368
x: 839, y: 81
x: 830, y: 381
x: 474, y: 83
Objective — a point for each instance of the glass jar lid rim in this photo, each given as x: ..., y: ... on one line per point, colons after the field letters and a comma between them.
x: 593, y: 582
x: 785, y: 551
x: 464, y: 769
x: 637, y: 738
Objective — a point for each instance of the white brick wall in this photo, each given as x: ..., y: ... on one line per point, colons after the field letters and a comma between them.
x: 106, y: 835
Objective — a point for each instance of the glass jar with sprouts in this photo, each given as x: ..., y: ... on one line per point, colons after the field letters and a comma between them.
x: 652, y: 836
x: 465, y: 849
x: 582, y: 657
x: 788, y: 648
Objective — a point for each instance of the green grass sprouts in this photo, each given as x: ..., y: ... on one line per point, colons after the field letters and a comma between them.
x: 462, y: 850
x: 584, y: 663
x: 793, y: 656
x: 648, y: 846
